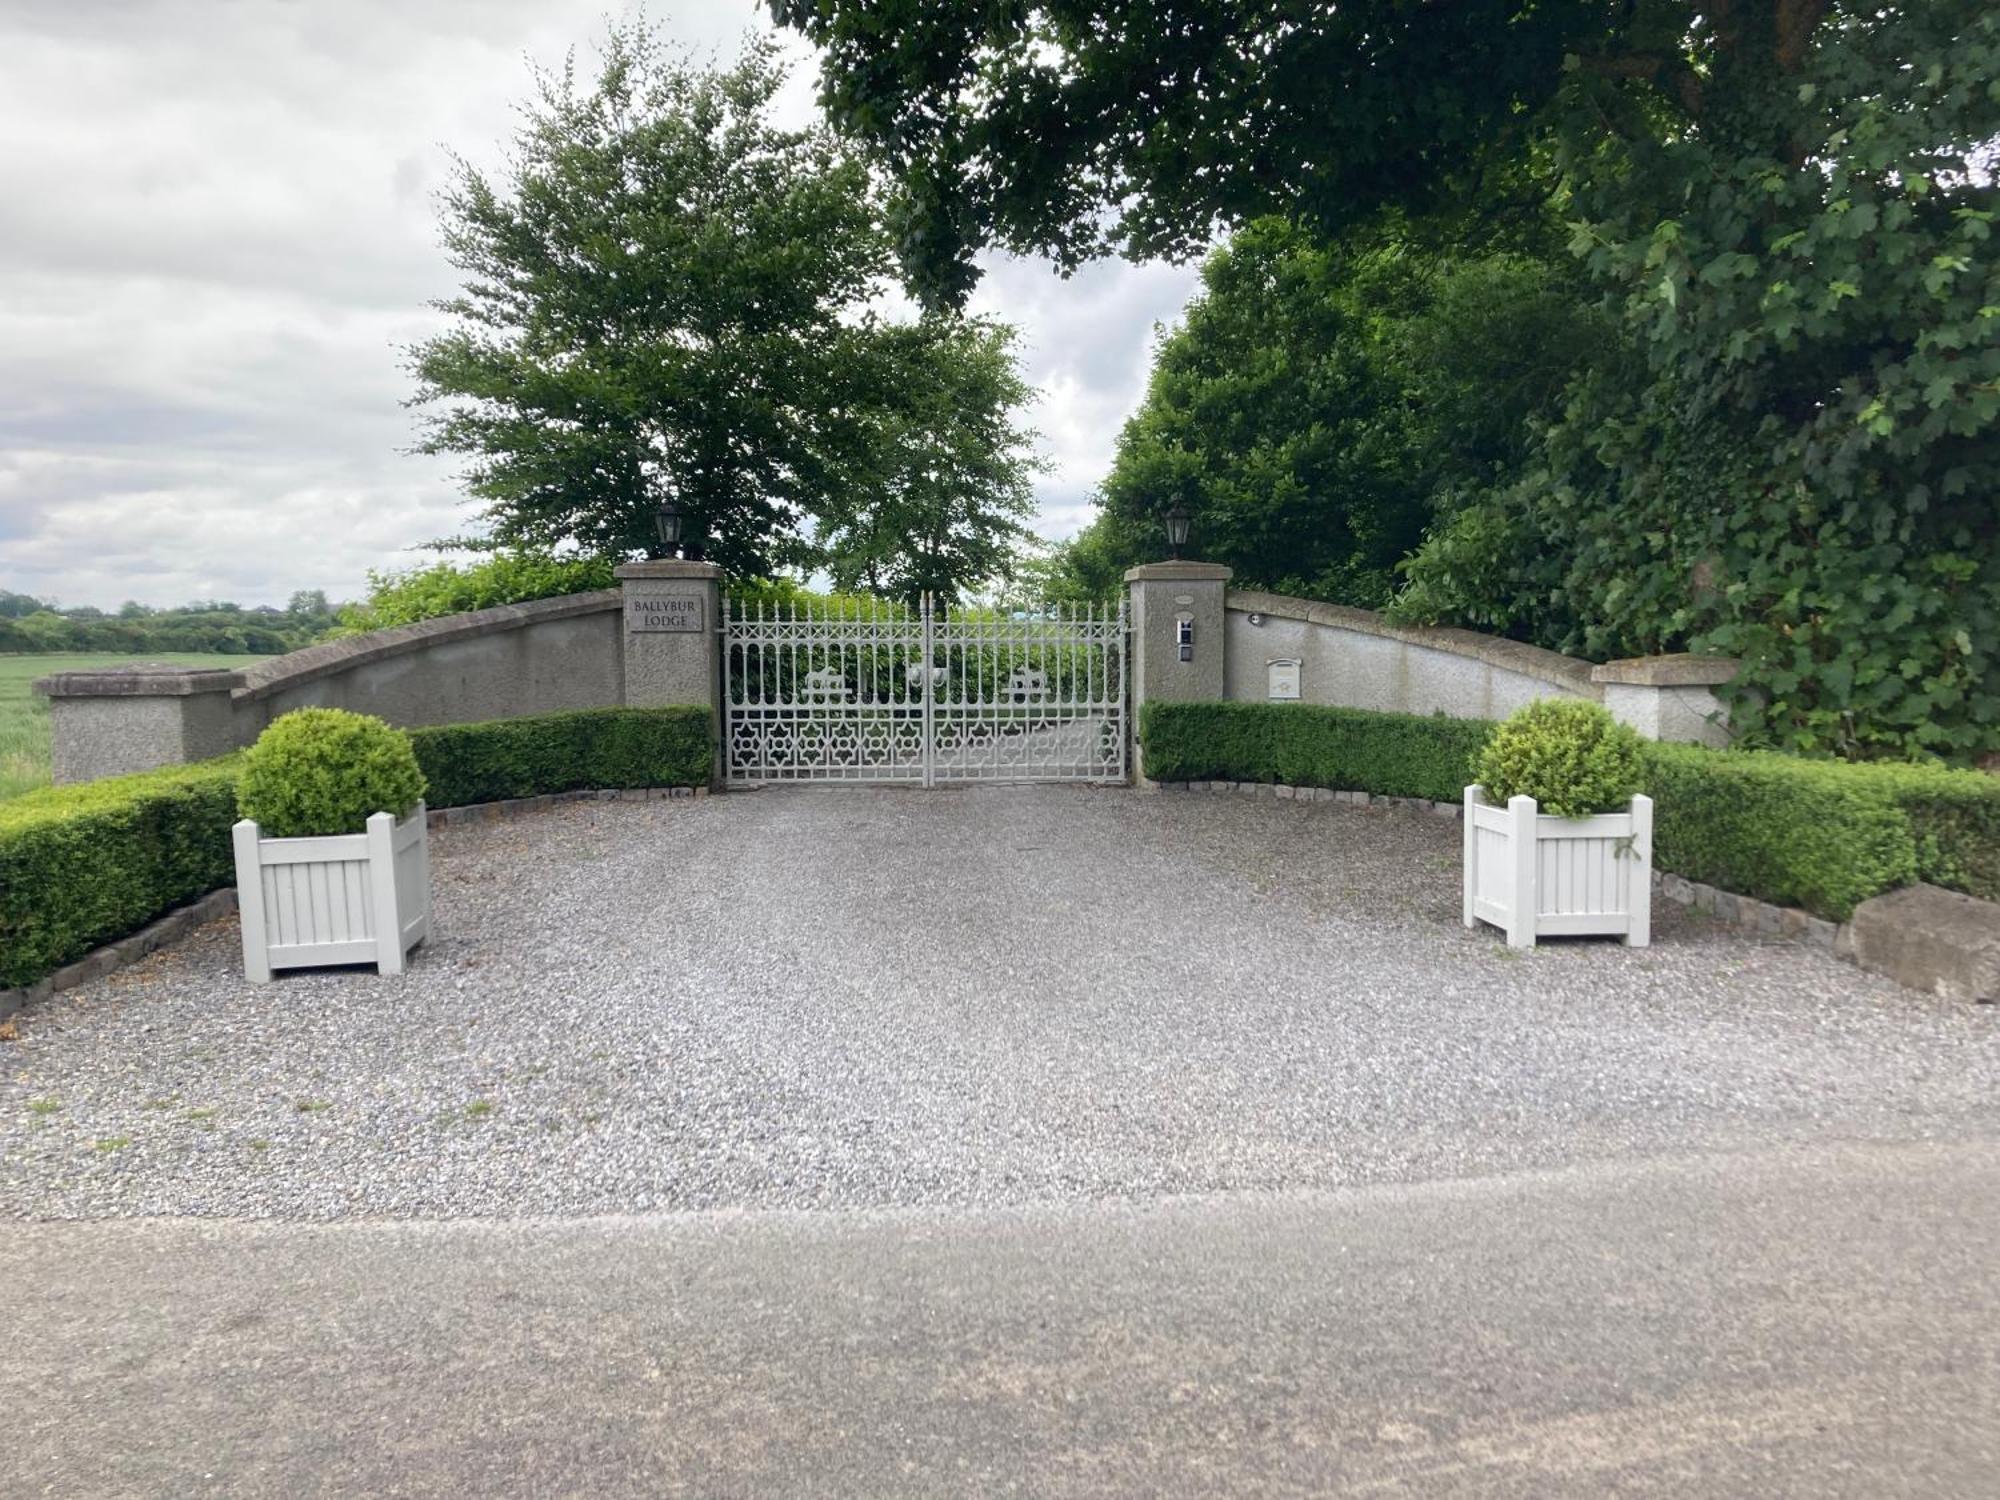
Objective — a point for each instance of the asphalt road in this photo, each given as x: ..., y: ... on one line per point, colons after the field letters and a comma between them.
x: 1809, y: 1321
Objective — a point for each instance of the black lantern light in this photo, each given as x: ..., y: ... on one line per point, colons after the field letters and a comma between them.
x: 667, y: 522
x: 1177, y: 528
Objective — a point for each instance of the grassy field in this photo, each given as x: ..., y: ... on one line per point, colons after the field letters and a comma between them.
x: 24, y: 718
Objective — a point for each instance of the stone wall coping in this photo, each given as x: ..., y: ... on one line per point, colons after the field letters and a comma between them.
x: 1180, y: 570
x: 667, y: 567
x: 140, y: 680
x: 1567, y: 672
x: 1677, y: 669
x: 275, y: 674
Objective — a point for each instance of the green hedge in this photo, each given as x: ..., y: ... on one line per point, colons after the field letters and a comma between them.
x: 565, y: 752
x: 1954, y: 822
x: 84, y: 865
x: 1352, y: 749
x: 1820, y: 834
x: 1823, y: 835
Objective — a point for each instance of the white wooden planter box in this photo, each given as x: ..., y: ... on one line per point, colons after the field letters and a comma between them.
x: 351, y: 898
x: 1540, y: 876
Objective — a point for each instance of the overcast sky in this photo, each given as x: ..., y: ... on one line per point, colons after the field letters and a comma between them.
x: 217, y: 230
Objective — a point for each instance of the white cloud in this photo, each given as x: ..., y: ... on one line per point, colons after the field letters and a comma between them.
x: 216, y: 233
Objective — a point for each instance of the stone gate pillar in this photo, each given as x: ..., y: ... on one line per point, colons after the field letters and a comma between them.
x: 1177, y: 624
x: 113, y: 722
x: 672, y: 648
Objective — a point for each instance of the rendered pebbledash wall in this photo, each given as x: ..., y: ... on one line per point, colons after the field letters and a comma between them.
x: 1353, y: 658
x: 533, y: 658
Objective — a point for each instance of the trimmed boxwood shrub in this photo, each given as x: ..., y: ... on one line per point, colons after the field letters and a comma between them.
x: 1353, y: 749
x: 320, y: 771
x: 85, y: 865
x: 566, y: 752
x: 81, y: 866
x: 1570, y: 755
x: 1819, y: 834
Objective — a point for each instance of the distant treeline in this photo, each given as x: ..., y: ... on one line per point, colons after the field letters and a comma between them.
x: 28, y: 624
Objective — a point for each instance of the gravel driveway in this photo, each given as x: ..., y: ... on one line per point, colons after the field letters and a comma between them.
x: 875, y: 997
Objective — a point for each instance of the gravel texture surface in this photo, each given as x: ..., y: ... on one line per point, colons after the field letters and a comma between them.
x: 865, y: 997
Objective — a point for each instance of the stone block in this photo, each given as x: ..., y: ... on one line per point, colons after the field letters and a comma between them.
x: 1929, y: 939
x: 15, y: 1000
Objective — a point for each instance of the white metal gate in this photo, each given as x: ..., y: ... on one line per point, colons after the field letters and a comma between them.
x: 870, y: 691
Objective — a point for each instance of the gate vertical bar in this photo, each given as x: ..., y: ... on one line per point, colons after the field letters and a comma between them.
x: 1120, y: 641
x: 728, y: 713
x: 929, y: 680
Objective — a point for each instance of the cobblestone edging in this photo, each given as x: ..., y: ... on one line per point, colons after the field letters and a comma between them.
x: 157, y: 933
x: 182, y: 920
x: 1745, y: 913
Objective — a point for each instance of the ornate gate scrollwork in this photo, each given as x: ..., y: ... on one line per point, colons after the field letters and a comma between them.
x: 877, y: 692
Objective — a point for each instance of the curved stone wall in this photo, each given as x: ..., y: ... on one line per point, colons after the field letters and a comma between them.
x: 531, y: 658
x: 1192, y: 638
x: 1353, y: 658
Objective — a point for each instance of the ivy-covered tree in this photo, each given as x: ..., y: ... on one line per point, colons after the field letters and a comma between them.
x: 1802, y: 469
x: 668, y: 296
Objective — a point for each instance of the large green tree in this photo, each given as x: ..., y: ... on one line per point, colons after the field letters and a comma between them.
x: 1318, y: 398
x: 1071, y: 128
x: 942, y: 485
x: 1076, y: 128
x: 668, y: 296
